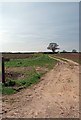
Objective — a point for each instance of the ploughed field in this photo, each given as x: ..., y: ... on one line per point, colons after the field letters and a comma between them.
x: 72, y: 56
x: 19, y: 55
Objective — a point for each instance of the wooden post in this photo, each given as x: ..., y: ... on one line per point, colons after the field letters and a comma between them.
x: 3, y: 68
x: 3, y: 71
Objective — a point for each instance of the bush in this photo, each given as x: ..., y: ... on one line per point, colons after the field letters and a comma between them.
x: 10, y: 83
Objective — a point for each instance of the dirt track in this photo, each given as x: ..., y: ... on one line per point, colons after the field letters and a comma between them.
x: 56, y: 96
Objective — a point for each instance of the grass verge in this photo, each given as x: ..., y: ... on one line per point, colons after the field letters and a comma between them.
x: 26, y: 67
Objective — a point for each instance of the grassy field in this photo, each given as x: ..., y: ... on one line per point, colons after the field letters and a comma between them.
x: 24, y: 72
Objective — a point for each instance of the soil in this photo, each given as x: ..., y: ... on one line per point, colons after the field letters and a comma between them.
x: 55, y: 96
x: 72, y: 56
x: 41, y: 69
x: 16, y: 73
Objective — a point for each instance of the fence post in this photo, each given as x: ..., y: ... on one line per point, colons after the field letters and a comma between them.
x: 3, y: 71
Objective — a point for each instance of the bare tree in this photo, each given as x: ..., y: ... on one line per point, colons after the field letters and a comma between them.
x: 53, y: 47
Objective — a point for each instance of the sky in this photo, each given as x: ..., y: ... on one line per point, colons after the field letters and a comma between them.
x: 39, y: 0
x: 31, y: 26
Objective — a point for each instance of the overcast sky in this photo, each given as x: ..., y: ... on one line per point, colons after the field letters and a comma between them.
x: 32, y: 26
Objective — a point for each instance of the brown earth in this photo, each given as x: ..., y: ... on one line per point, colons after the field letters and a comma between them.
x: 72, y: 56
x: 17, y: 73
x: 20, y: 73
x: 17, y: 55
x: 55, y: 96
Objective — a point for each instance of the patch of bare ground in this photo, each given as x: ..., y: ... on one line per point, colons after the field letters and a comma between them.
x: 17, y: 73
x: 41, y: 69
x: 55, y: 96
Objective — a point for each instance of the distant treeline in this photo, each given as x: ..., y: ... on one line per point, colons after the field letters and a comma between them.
x: 36, y: 52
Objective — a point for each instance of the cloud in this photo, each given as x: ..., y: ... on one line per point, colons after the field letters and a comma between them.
x: 32, y: 26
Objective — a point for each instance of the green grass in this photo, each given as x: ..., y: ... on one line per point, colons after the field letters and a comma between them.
x: 43, y: 60
x: 8, y: 90
x: 33, y: 80
x: 32, y: 76
x: 27, y: 82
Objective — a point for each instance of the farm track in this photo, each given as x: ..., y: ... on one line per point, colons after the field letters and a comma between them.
x: 56, y: 96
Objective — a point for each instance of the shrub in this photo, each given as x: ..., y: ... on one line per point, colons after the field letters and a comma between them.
x: 10, y: 83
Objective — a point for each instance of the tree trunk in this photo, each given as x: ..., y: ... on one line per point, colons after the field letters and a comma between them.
x: 53, y: 50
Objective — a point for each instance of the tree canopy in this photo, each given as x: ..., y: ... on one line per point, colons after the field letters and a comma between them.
x: 53, y: 47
